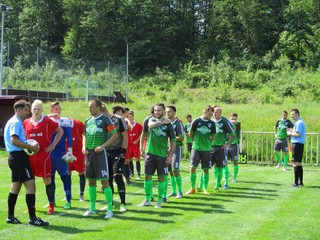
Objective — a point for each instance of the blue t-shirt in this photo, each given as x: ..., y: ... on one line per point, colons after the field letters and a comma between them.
x: 300, y: 127
x: 14, y: 127
x: 60, y: 148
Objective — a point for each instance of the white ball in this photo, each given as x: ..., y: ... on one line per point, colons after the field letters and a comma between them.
x: 30, y: 142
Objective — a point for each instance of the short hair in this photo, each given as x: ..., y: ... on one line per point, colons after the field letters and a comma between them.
x: 20, y: 104
x: 126, y: 109
x: 188, y: 115
x: 284, y: 111
x: 104, y: 108
x: 54, y: 104
x: 97, y: 102
x: 117, y: 108
x: 233, y: 114
x: 209, y: 108
x: 131, y: 113
x: 295, y: 110
x: 160, y: 105
x: 37, y: 102
x: 172, y: 107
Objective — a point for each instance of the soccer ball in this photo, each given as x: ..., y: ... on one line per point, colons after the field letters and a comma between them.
x: 30, y: 142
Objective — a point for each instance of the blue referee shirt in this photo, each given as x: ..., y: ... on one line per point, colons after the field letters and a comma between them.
x: 300, y: 127
x: 14, y: 127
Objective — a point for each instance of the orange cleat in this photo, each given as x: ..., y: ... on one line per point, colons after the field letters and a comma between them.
x: 191, y: 191
x: 50, y: 209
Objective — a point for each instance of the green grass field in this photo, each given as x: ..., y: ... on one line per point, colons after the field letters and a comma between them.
x: 260, y: 205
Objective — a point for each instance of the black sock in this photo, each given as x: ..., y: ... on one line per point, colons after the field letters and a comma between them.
x: 121, y: 188
x: 131, y: 167
x: 126, y: 172
x: 111, y: 184
x: 50, y: 192
x: 138, y: 167
x: 82, y: 183
x: 31, y: 202
x: 296, y: 175
x: 12, y: 199
x: 300, y: 174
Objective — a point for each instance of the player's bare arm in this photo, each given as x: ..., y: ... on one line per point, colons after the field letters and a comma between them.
x: 59, y: 133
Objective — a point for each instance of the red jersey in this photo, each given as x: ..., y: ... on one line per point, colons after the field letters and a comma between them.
x: 134, y: 132
x: 77, y: 134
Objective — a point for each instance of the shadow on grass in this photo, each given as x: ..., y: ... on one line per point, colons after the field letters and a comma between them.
x: 140, y: 219
x: 263, y: 183
x: 70, y: 230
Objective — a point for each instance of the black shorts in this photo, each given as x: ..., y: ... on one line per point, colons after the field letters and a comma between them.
x: 232, y: 152
x: 20, y: 167
x: 297, y: 152
x: 115, y: 162
x: 189, y: 147
x: 200, y: 156
x: 153, y: 163
x: 97, y: 165
x: 218, y: 157
x: 281, y: 144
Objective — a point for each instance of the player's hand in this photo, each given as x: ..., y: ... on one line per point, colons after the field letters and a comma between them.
x: 226, y: 146
x: 49, y: 148
x: 99, y: 149
x: 142, y: 153
x: 34, y: 148
x: 85, y: 151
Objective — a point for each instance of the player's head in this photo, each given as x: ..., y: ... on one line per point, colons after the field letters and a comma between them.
x: 295, y: 114
x: 22, y: 109
x: 118, y: 110
x: 207, y: 112
x: 125, y: 112
x: 217, y: 112
x: 284, y: 114
x: 233, y: 117
x: 104, y: 109
x: 95, y: 107
x: 159, y: 110
x: 36, y: 108
x: 55, y: 108
x: 131, y: 116
x: 189, y: 118
x: 171, y: 112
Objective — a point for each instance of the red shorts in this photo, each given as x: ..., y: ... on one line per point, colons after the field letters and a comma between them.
x: 133, y: 151
x: 41, y: 164
x: 79, y: 164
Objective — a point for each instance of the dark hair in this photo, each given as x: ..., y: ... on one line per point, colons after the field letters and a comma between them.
x: 131, y: 113
x: 233, y: 114
x: 21, y: 104
x: 160, y: 105
x: 125, y: 109
x: 97, y: 102
x: 188, y: 115
x: 117, y: 108
x: 284, y: 111
x: 172, y: 107
x: 296, y: 111
x: 209, y: 108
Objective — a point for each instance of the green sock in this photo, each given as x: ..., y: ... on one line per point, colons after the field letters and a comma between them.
x: 148, y: 189
x: 165, y: 189
x: 179, y: 183
x: 201, y: 180
x: 173, y: 184
x: 278, y: 157
x: 108, y: 197
x: 193, y: 178
x: 206, y: 180
x: 92, y: 197
x: 285, y: 159
x: 161, y: 186
x: 226, y: 174
x: 218, y: 177
x: 235, y: 171
x: 215, y: 171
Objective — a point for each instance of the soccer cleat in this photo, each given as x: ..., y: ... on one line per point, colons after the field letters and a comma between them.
x: 50, y: 209
x: 205, y: 192
x: 89, y: 212
x: 145, y: 204
x: 158, y: 205
x: 300, y: 185
x: 199, y: 189
x: 294, y: 185
x: 13, y: 221
x: 225, y: 187
x: 284, y: 169
x: 151, y: 199
x: 191, y: 191
x: 67, y: 206
x: 164, y: 200
x: 81, y: 198
x: 109, y: 214
x: 36, y: 221
x: 172, y: 194
x: 278, y: 166
x: 179, y: 195
x: 129, y: 182
x: 233, y: 180
x: 122, y: 208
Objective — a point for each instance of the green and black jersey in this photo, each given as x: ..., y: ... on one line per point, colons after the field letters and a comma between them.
x: 203, y: 130
x: 223, y: 129
x: 281, y: 126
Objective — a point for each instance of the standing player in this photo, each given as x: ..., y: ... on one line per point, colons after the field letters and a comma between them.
x: 41, y: 129
x: 79, y: 164
x: 282, y: 139
x: 187, y: 129
x: 174, y: 166
x: 116, y: 153
x: 233, y: 151
x: 298, y: 134
x: 97, y: 128
x: 222, y: 140
x: 133, y: 151
x: 57, y: 162
x: 201, y: 133
x: 21, y: 173
x: 157, y: 153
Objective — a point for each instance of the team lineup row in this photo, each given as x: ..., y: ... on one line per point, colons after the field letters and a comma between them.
x: 106, y: 143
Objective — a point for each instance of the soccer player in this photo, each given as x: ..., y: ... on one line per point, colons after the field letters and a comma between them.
x: 57, y: 162
x: 21, y: 173
x: 187, y: 129
x: 95, y: 142
x: 174, y: 166
x: 298, y: 134
x: 222, y: 140
x: 157, y: 153
x: 116, y: 153
x: 41, y: 128
x: 79, y: 164
x: 282, y: 139
x: 201, y: 133
x: 133, y: 151
x: 233, y: 151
